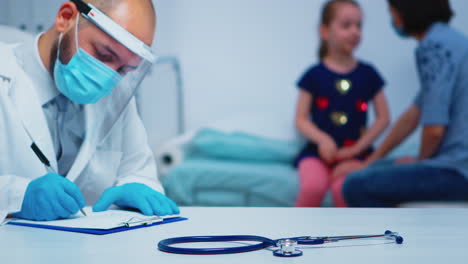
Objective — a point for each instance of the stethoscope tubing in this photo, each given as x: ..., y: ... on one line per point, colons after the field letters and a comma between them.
x: 165, y: 245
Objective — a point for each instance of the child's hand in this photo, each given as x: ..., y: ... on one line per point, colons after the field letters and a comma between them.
x: 346, y: 167
x: 327, y: 150
x: 406, y: 160
x: 346, y: 153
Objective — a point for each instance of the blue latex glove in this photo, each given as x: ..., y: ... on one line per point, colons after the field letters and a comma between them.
x: 138, y: 196
x: 50, y: 197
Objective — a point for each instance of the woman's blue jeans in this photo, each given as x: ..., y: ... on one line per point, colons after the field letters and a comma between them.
x: 386, y: 184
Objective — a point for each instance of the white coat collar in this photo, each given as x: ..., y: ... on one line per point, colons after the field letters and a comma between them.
x: 35, y: 68
x: 25, y: 100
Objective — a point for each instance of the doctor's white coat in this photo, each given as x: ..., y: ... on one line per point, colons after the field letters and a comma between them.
x: 123, y: 156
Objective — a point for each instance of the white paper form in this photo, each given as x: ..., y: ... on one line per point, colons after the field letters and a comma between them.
x: 100, y: 220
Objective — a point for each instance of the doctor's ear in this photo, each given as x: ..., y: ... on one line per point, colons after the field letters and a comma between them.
x: 396, y: 16
x: 323, y: 31
x: 66, y: 17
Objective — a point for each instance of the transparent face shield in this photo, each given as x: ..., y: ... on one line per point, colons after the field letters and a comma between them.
x: 121, y: 51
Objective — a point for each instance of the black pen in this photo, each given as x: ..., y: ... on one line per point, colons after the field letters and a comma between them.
x: 46, y: 162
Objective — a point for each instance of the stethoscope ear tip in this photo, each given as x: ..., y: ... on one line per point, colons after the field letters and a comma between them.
x: 399, y: 240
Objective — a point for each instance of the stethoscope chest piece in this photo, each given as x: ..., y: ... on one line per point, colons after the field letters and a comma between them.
x: 287, y: 248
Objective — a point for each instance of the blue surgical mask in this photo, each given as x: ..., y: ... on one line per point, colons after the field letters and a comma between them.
x: 84, y: 80
x: 400, y: 32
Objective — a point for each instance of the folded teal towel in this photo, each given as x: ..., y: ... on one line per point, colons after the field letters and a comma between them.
x: 210, y: 182
x: 242, y: 147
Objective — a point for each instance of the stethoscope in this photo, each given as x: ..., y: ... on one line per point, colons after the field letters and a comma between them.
x: 287, y: 247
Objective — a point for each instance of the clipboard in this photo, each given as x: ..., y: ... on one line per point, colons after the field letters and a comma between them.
x: 102, y: 223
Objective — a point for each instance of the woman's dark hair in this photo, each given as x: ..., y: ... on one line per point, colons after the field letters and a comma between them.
x: 419, y: 15
x: 328, y: 14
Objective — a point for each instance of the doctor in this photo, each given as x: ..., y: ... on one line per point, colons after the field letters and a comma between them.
x: 70, y: 92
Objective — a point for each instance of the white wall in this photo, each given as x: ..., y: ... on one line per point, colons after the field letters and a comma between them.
x: 243, y: 56
x: 4, y: 6
x: 157, y: 96
x: 29, y: 15
x: 166, y: 26
x: 246, y: 56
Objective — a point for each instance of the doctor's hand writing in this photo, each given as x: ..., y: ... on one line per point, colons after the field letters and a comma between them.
x: 138, y: 196
x: 50, y: 197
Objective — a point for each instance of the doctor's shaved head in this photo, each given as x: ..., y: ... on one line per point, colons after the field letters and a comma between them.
x: 130, y: 14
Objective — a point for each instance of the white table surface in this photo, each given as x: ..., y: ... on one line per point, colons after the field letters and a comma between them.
x: 431, y: 236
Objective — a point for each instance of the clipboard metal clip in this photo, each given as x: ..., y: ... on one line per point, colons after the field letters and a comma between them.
x: 135, y: 221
